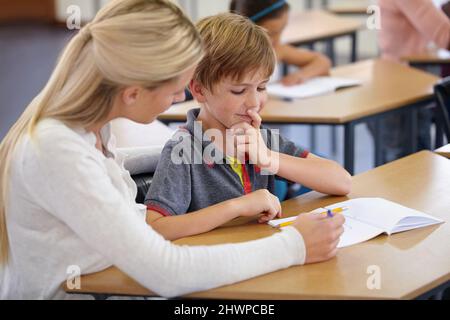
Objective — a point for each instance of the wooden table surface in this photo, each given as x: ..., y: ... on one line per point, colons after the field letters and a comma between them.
x: 386, y: 86
x: 428, y: 57
x: 314, y: 25
x: 410, y: 263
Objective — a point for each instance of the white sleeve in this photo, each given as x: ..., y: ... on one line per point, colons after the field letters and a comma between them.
x: 73, y: 185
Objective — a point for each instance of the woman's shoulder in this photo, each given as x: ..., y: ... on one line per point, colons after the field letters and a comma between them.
x: 51, y: 140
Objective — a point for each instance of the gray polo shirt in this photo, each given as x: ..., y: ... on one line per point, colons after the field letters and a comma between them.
x: 189, y: 177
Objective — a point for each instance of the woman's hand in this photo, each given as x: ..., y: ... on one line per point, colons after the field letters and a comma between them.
x: 321, y: 235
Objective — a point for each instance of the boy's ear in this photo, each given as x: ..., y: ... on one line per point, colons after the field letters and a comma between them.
x: 197, y: 91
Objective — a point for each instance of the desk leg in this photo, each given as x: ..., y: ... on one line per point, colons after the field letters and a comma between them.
x: 284, y: 69
x: 330, y: 51
x: 349, y: 147
x: 312, y: 138
x: 354, y: 40
x: 378, y: 143
x: 333, y: 139
x: 439, y: 139
x: 413, y: 136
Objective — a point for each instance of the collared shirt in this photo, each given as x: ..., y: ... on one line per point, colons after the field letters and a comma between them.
x: 188, y: 177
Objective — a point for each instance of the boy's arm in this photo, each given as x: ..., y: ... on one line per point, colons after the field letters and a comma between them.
x: 271, y: 152
x: 296, y: 164
x: 319, y: 174
x: 175, y: 227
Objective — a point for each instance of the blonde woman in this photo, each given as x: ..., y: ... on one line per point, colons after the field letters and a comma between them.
x: 65, y: 197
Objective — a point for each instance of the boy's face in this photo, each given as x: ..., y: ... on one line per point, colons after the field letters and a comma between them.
x: 230, y: 100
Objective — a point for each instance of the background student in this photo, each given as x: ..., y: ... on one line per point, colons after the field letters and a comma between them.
x: 273, y: 15
x: 407, y: 28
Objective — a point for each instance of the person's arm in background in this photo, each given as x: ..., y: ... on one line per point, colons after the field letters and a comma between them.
x: 431, y: 22
x: 312, y: 64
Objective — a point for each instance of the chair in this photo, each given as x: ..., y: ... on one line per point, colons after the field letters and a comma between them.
x: 141, y: 162
x: 442, y: 93
x: 143, y: 182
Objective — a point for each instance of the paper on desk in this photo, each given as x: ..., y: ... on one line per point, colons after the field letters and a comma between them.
x: 366, y: 218
x: 314, y: 87
x: 354, y: 231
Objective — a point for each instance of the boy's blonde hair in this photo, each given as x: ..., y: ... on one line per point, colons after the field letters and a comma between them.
x: 129, y: 42
x: 234, y: 47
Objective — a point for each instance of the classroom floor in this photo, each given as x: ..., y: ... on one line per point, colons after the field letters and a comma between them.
x: 28, y: 54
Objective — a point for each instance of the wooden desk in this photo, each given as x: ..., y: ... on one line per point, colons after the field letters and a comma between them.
x: 348, y: 9
x: 308, y: 27
x: 411, y: 263
x: 444, y: 151
x: 387, y: 87
x: 432, y: 57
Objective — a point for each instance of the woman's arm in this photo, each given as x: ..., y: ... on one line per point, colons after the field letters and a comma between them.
x: 175, y: 227
x: 312, y: 64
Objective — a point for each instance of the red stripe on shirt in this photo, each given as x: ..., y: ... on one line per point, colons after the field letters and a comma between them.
x: 304, y: 154
x: 158, y: 209
x: 246, y: 180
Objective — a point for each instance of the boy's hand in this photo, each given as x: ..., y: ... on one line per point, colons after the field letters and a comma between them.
x: 248, y: 140
x: 260, y: 202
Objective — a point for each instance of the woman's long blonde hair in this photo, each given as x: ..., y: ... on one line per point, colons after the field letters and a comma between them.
x: 129, y: 42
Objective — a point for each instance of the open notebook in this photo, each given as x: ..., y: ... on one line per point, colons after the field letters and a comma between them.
x: 367, y: 218
x: 314, y: 87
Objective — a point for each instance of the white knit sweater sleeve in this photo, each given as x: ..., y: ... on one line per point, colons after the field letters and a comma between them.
x: 69, y: 181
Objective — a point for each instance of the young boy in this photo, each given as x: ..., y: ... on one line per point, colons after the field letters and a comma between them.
x: 238, y: 160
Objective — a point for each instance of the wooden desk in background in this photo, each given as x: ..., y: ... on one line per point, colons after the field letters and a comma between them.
x: 387, y: 87
x: 350, y: 7
x: 309, y: 27
x: 444, y: 151
x: 413, y: 264
x: 432, y: 57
